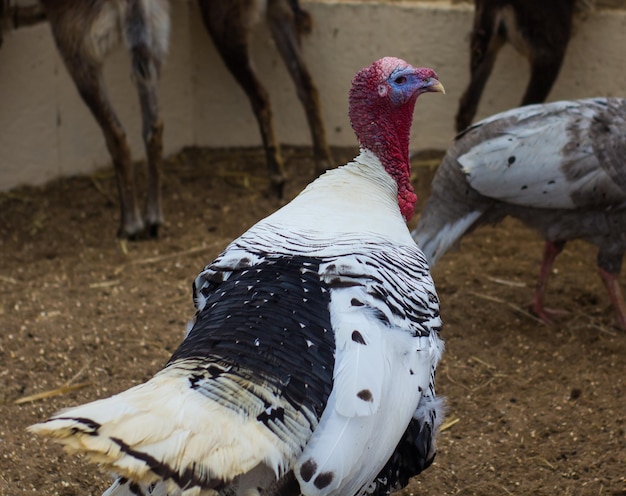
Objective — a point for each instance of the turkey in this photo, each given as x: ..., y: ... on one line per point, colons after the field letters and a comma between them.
x: 557, y: 167
x: 310, y: 365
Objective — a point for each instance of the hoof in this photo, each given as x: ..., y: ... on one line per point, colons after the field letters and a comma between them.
x: 278, y: 185
x: 152, y: 232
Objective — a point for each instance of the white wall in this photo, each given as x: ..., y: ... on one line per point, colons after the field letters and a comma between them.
x: 46, y: 131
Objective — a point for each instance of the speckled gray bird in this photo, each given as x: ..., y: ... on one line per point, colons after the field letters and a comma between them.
x: 558, y: 167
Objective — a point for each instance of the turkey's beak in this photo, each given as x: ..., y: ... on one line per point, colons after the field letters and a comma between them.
x: 435, y: 87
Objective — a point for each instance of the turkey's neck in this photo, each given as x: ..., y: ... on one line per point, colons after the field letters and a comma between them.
x: 388, y: 138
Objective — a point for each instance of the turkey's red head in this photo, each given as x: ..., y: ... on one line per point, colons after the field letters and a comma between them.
x: 382, y: 99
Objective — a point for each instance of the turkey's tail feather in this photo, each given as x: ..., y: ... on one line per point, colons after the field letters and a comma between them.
x: 452, y: 210
x: 434, y: 243
x: 435, y: 240
x: 152, y: 433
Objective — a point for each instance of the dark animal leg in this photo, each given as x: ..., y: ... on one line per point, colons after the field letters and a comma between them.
x: 284, y: 30
x: 90, y: 84
x: 550, y: 252
x: 145, y: 72
x: 539, y: 30
x: 231, y: 40
x: 615, y: 294
x: 544, y: 72
x: 485, y: 47
x: 2, y: 16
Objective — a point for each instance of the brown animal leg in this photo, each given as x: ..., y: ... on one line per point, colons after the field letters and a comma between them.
x: 229, y: 30
x: 550, y: 252
x: 284, y: 30
x: 145, y: 71
x: 90, y: 84
x: 84, y: 33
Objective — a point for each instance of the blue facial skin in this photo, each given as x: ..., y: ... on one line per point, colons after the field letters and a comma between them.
x: 403, y: 82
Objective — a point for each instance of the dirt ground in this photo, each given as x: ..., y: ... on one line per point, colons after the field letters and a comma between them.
x: 532, y: 409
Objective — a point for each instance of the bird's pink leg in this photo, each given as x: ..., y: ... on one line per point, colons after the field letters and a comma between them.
x: 615, y: 294
x: 550, y: 252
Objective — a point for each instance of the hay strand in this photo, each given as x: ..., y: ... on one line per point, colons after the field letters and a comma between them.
x: 64, y: 389
x: 449, y: 423
x: 510, y: 305
x: 53, y: 392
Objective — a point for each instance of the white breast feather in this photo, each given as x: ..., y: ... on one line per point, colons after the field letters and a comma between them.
x: 392, y: 366
x: 353, y: 448
x: 359, y: 367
